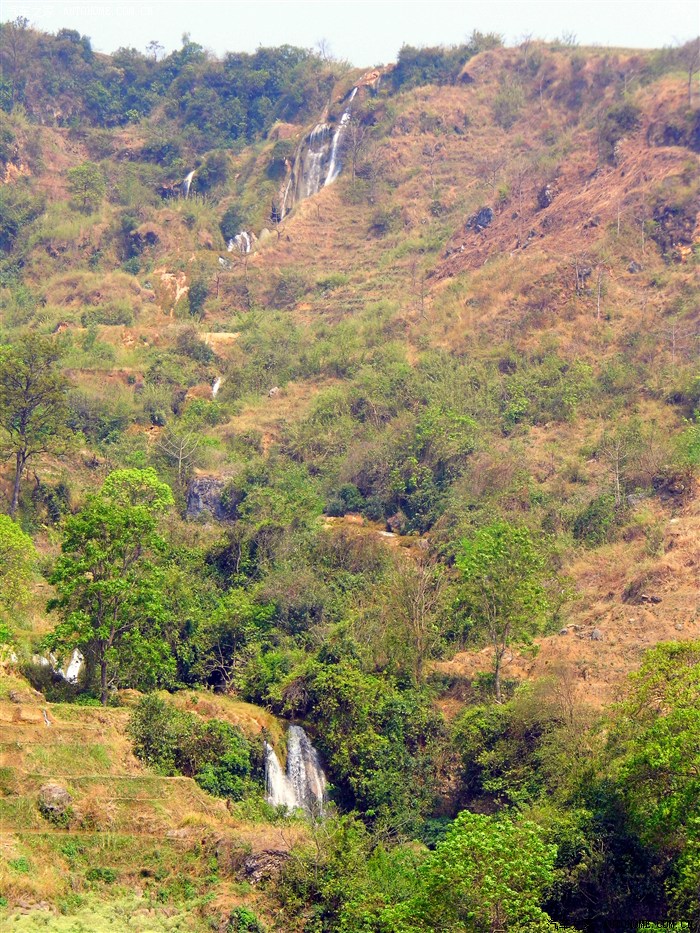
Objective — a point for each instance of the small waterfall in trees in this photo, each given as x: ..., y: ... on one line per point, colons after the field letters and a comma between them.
x: 241, y: 242
x: 187, y: 184
x: 303, y: 785
x: 216, y: 385
x: 75, y: 666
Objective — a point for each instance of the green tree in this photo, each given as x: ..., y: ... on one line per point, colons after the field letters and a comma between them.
x: 33, y: 407
x: 87, y: 185
x: 109, y: 595
x: 229, y: 636
x: 504, y: 587
x: 17, y: 557
x: 487, y: 876
x: 198, y: 293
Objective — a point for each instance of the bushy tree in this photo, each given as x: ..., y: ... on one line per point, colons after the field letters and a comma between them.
x: 215, y: 753
x: 488, y: 875
x: 87, y: 185
x: 108, y: 594
x: 504, y: 587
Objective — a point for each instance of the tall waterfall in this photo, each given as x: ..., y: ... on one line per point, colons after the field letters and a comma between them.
x: 187, y: 184
x: 309, y: 161
x: 303, y: 786
x: 316, y: 163
x: 334, y: 166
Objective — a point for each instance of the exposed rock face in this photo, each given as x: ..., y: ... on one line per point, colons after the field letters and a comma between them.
x: 144, y: 237
x: 673, y: 231
x: 264, y: 864
x: 679, y: 133
x: 204, y: 495
x: 481, y: 220
x: 54, y: 802
x: 545, y: 196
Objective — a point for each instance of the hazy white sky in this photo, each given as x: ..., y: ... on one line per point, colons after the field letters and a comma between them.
x: 367, y: 32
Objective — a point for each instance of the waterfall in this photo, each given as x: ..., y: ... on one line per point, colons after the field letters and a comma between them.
x: 187, y: 184
x: 278, y: 787
x: 216, y: 385
x: 316, y: 163
x: 334, y: 166
x: 303, y: 786
x: 318, y: 146
x: 75, y: 665
x: 304, y: 771
x: 241, y: 242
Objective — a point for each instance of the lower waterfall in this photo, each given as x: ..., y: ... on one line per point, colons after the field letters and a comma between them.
x: 303, y: 786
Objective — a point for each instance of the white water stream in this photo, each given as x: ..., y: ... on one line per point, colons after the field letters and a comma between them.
x: 303, y: 785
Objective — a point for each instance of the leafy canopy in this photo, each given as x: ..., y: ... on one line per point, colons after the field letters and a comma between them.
x: 487, y: 874
x: 108, y: 590
x: 504, y: 586
x: 17, y: 557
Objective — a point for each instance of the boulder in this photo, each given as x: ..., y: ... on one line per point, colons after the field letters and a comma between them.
x: 596, y: 635
x: 266, y: 864
x: 396, y: 524
x: 55, y: 802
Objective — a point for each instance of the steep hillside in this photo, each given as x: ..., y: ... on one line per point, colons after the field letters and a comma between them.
x: 370, y: 327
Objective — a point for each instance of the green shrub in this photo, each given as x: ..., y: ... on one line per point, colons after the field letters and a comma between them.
x: 242, y: 920
x: 104, y: 875
x: 215, y: 753
x: 507, y: 105
x: 189, y: 344
x: 113, y: 314
x: 197, y: 296
x: 21, y: 865
x: 233, y: 221
x: 597, y: 522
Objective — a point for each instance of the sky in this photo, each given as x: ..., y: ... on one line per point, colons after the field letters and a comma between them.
x: 365, y: 32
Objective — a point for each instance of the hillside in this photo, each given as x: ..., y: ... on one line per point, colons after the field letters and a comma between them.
x: 404, y: 344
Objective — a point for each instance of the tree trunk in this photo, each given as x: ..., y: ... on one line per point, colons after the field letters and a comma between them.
x: 497, y: 676
x: 19, y: 466
x: 103, y: 680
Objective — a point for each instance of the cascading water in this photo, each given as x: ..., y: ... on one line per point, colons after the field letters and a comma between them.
x: 315, y: 156
x: 75, y: 666
x: 304, y: 771
x: 278, y: 787
x: 187, y: 184
x: 303, y: 786
x: 241, y: 242
x: 216, y: 385
x: 334, y: 166
x: 316, y: 163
